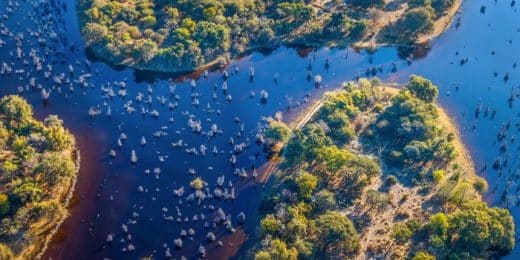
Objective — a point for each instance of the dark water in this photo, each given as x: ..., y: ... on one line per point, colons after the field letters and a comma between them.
x: 107, y: 195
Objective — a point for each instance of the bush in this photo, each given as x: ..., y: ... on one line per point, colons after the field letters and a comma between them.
x: 438, y: 175
x: 481, y: 185
x: 402, y: 232
x: 391, y: 180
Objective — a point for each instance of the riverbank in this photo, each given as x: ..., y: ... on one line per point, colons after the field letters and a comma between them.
x: 45, y: 229
x: 70, y: 188
x: 39, y: 167
x: 374, y: 40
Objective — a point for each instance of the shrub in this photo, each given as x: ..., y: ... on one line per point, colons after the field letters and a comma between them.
x: 438, y: 175
x: 391, y: 180
x: 481, y: 185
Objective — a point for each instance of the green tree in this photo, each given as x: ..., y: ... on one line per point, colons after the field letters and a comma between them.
x: 16, y: 112
x: 277, y: 250
x: 58, y: 138
x: 28, y: 192
x: 324, y: 200
x: 336, y: 236
x: 422, y: 88
x: 270, y: 225
x: 278, y: 132
x: 306, y: 184
x: 53, y: 167
x: 422, y: 255
x: 481, y: 231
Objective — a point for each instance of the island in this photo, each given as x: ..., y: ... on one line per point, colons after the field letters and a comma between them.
x: 38, y: 168
x: 178, y: 36
x: 377, y: 172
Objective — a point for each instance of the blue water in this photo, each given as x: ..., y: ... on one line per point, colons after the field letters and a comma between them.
x: 107, y: 193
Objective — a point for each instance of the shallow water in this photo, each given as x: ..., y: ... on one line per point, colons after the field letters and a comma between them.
x: 107, y: 193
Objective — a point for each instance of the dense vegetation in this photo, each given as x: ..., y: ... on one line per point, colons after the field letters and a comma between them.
x: 182, y: 35
x: 36, y: 172
x: 331, y: 193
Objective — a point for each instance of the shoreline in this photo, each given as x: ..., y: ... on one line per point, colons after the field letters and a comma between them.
x: 440, y: 26
x: 38, y: 254
x: 450, y: 126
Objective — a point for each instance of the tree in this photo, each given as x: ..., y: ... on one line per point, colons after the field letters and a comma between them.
x: 94, y: 33
x: 336, y: 236
x: 211, y: 36
x: 270, y: 225
x: 306, y: 184
x: 414, y: 23
x: 324, y: 200
x: 332, y: 158
x: 422, y: 255
x: 438, y: 231
x: 294, y: 152
x: 441, y: 6
x: 402, y: 232
x: 16, y: 112
x: 277, y: 250
x: 481, y: 231
x: 53, y: 167
x: 58, y: 138
x: 278, y: 132
x: 422, y: 88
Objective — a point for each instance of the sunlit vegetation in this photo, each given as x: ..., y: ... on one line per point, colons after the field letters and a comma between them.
x: 182, y: 35
x: 339, y: 174
x: 36, y: 171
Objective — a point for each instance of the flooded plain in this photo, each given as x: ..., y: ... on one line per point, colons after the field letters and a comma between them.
x: 145, y: 138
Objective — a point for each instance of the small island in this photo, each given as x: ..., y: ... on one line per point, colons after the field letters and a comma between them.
x: 38, y: 167
x: 184, y: 35
x: 378, y: 172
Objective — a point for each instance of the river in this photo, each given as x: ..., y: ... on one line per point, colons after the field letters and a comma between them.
x: 136, y: 204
